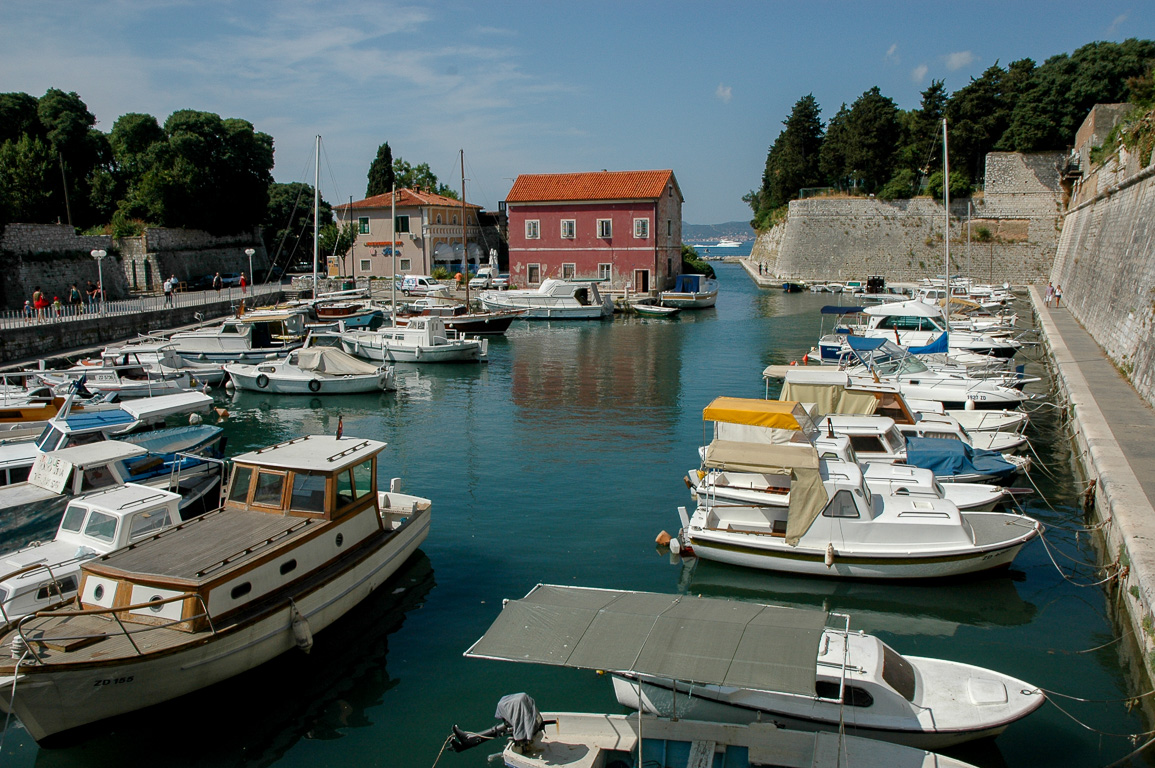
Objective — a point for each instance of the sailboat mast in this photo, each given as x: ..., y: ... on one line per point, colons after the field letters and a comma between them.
x: 393, y: 250
x: 946, y: 223
x: 316, y: 212
x: 464, y: 237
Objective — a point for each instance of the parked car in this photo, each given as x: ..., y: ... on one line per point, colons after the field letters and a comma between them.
x: 488, y: 277
x: 419, y: 285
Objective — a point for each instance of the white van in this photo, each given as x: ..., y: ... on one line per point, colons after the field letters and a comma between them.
x: 419, y: 285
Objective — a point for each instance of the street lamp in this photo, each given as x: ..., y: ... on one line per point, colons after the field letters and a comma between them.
x: 249, y: 252
x: 99, y: 255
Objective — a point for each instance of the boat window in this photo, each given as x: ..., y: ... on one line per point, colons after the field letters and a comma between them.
x: 842, y: 505
x: 101, y: 527
x: 147, y: 522
x: 239, y: 491
x: 241, y: 590
x: 345, y: 488
x: 230, y: 328
x: 855, y: 696
x: 308, y: 493
x: 89, y: 439
x: 288, y: 567
x: 582, y: 297
x: 894, y: 439
x: 73, y: 519
x: 867, y: 444
x: 56, y: 588
x: 269, y: 488
x: 898, y: 672
x: 96, y: 477
x: 363, y: 478
x: 49, y: 439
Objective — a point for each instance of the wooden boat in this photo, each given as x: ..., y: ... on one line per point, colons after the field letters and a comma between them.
x: 303, y: 537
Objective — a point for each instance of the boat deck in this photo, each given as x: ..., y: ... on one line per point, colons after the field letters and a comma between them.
x: 996, y: 528
x: 206, y: 546
x: 94, y: 638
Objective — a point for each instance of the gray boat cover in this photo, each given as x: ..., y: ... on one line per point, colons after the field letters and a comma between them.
x: 520, y: 711
x: 703, y: 640
x: 332, y: 361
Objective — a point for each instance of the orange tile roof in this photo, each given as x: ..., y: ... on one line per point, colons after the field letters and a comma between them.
x: 601, y: 185
x: 406, y: 198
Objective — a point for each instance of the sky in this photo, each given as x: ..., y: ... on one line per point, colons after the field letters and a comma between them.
x: 701, y: 88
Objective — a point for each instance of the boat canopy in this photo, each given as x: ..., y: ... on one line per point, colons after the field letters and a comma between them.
x: 831, y: 396
x: 835, y: 309
x: 948, y: 457
x: 703, y: 640
x: 939, y: 346
x: 913, y: 308
x: 688, y: 283
x: 863, y: 344
x: 757, y: 413
x: 333, y: 362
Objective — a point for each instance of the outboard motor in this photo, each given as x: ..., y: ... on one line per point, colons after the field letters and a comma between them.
x: 519, y: 718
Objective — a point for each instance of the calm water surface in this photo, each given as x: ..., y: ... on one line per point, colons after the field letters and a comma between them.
x: 559, y: 462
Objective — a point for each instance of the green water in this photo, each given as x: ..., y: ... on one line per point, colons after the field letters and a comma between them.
x: 559, y: 461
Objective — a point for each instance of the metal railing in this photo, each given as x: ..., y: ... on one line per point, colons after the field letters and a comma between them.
x: 87, y: 311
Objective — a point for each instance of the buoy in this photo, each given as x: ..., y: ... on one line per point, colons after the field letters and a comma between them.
x: 195, y: 418
x: 222, y: 414
x: 794, y: 362
x: 230, y: 386
x: 829, y: 555
x: 663, y: 539
x: 806, y: 359
x: 302, y: 633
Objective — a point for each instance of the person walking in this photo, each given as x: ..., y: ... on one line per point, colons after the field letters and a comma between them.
x: 90, y: 293
x: 74, y: 301
x: 1049, y: 295
x: 57, y: 306
x: 217, y: 282
x: 168, y: 292
x: 28, y: 312
x: 243, y: 283
x: 1058, y: 295
x: 39, y: 302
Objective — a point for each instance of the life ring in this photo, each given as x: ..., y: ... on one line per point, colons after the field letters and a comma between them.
x: 314, y: 385
x: 262, y: 381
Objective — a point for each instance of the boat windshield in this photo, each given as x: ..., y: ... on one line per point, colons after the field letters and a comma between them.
x: 898, y: 672
x: 101, y: 527
x: 73, y: 519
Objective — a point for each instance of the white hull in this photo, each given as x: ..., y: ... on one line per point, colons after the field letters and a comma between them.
x: 247, y: 377
x: 66, y: 698
x: 533, y: 312
x: 451, y: 352
x: 688, y: 300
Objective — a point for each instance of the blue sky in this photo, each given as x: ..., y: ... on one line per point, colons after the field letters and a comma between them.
x: 534, y: 87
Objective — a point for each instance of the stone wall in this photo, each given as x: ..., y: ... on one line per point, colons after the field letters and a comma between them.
x: 1105, y: 264
x: 853, y: 237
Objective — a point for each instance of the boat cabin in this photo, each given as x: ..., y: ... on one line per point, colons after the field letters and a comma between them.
x: 290, y: 509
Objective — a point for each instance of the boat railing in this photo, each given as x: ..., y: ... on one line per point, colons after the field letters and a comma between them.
x: 178, y: 467
x: 53, y: 584
x: 115, y: 611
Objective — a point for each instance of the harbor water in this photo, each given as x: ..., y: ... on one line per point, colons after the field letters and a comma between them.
x: 559, y: 462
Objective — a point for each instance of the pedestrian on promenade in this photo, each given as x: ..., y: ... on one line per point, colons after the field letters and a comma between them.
x: 243, y: 283
x: 168, y: 292
x: 74, y: 300
x: 28, y: 312
x: 98, y: 294
x: 57, y: 306
x: 1049, y: 295
x: 90, y: 293
x: 217, y: 282
x: 39, y: 302
x: 1058, y: 295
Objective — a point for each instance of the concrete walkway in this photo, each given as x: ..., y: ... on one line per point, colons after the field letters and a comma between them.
x: 1114, y: 432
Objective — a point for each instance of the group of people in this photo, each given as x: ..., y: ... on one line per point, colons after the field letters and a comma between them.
x: 1054, y: 294
x: 40, y: 308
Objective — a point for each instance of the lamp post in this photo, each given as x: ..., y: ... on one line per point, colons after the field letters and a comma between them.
x: 99, y: 255
x: 249, y: 252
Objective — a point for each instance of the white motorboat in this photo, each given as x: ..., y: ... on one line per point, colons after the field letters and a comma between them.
x: 553, y: 300
x: 423, y: 339
x: 45, y: 574
x: 314, y: 370
x: 691, y: 292
x: 260, y: 334
x: 916, y: 324
x: 739, y: 648
x: 162, y: 357
x: 304, y: 537
x: 125, y: 381
x: 832, y: 524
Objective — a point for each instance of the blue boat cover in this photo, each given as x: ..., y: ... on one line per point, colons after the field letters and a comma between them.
x: 937, y: 347
x: 947, y: 458
x: 837, y: 309
x: 85, y: 420
x: 863, y: 344
x: 687, y: 283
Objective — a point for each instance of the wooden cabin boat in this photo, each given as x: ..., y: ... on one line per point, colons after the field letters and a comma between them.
x: 303, y: 537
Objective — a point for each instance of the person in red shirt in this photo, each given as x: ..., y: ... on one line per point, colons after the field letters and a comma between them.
x: 243, y: 283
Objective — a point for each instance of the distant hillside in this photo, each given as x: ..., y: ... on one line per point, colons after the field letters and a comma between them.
x: 731, y: 230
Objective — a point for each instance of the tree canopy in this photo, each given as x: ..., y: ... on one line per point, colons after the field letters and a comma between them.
x: 381, y: 175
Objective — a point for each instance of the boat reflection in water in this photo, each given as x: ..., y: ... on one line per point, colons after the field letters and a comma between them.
x: 891, y: 607
x: 273, y: 707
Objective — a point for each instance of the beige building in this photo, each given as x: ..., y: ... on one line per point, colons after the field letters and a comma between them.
x: 427, y: 234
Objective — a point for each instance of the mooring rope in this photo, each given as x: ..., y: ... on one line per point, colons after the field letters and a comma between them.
x: 1127, y: 758
x: 12, y: 698
x: 1092, y: 729
x: 448, y: 739
x: 1112, y: 568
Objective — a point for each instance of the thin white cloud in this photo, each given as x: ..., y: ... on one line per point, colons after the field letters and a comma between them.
x: 723, y: 93
x: 892, y: 53
x: 958, y: 60
x: 1118, y: 22
x: 919, y: 73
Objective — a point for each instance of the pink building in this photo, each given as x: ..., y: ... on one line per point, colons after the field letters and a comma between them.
x: 624, y: 227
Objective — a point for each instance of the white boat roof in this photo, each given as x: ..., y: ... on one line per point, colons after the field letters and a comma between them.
x: 913, y: 308
x: 122, y: 499
x: 314, y: 453
x: 709, y: 641
x: 167, y: 405
x: 97, y: 453
x: 134, y: 347
x: 872, y: 424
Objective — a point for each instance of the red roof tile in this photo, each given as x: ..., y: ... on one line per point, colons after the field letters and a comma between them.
x: 406, y: 198
x: 601, y: 185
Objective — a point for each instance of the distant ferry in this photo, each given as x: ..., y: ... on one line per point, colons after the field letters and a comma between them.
x: 721, y: 244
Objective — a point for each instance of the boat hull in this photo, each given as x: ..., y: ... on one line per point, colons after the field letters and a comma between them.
x: 531, y: 312
x: 688, y: 300
x: 59, y: 699
x: 312, y: 385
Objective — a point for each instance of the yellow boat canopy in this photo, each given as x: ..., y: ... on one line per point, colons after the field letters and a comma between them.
x: 776, y: 414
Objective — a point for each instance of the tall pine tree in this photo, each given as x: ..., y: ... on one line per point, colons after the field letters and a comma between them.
x: 381, y: 177
x: 792, y: 162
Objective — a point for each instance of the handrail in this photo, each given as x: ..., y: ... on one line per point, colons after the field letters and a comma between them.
x: 53, y: 581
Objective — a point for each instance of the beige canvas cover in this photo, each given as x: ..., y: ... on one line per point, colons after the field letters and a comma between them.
x: 807, y: 493
x: 831, y: 398
x: 332, y: 361
x: 709, y: 641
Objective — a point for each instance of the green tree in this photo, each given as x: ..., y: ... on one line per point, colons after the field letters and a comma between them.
x: 921, y: 151
x: 978, y: 114
x: 420, y: 177
x: 28, y: 173
x: 19, y: 117
x: 792, y: 161
x: 873, y: 132
x: 381, y: 175
x: 337, y: 240
x: 832, y: 156
x: 287, y: 227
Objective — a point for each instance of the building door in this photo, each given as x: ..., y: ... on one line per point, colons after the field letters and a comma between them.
x: 641, y: 281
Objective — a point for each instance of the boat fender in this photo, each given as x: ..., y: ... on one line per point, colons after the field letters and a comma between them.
x: 262, y: 381
x: 829, y: 555
x: 314, y: 385
x: 675, y: 545
x: 195, y: 418
x: 202, y: 356
x: 302, y: 633
x: 417, y: 353
x: 229, y: 385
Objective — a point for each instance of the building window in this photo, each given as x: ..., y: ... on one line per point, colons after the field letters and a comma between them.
x: 455, y: 218
x: 401, y: 224
x: 363, y: 225
x: 532, y: 229
x: 641, y: 228
x: 568, y: 271
x: 669, y: 227
x: 605, y: 271
x: 533, y: 273
x: 406, y: 265
x: 365, y: 265
x: 568, y: 229
x: 605, y: 228
x: 439, y: 218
